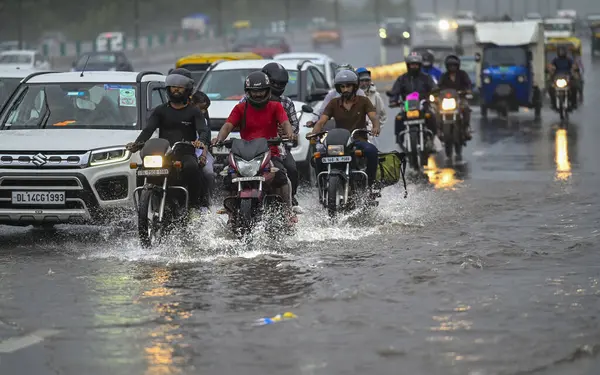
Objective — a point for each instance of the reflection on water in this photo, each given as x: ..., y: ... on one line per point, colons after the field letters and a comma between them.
x: 159, y: 354
x: 444, y: 178
x: 561, y: 149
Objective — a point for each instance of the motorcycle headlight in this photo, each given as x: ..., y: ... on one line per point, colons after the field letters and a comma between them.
x: 431, y: 98
x: 109, y: 156
x: 561, y: 83
x: 448, y: 104
x: 487, y: 80
x: 153, y: 161
x: 335, y: 150
x: 248, y: 168
x: 382, y: 33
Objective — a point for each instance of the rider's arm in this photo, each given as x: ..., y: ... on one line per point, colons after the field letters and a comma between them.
x: 153, y: 124
x: 327, y: 114
x: 466, y: 80
x: 396, y: 90
x: 290, y: 110
x: 372, y: 113
x: 281, y: 117
x: 201, y: 127
x: 380, y: 107
x: 233, y: 121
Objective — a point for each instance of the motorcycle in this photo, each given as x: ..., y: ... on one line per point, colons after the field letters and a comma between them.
x: 161, y: 202
x: 345, y: 182
x: 412, y: 140
x: 449, y: 107
x: 562, y: 86
x: 251, y: 168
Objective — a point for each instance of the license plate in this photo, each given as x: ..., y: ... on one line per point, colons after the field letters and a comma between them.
x: 242, y: 179
x: 220, y: 151
x: 153, y: 172
x: 38, y: 197
x: 337, y: 159
x: 412, y: 114
x: 414, y: 122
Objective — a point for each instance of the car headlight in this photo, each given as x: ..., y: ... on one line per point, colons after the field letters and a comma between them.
x: 109, y: 156
x: 406, y: 35
x: 444, y: 25
x: 448, y: 104
x: 335, y: 150
x: 248, y: 168
x: 382, y: 33
x: 487, y: 80
x: 561, y: 83
x: 521, y: 79
x: 153, y: 161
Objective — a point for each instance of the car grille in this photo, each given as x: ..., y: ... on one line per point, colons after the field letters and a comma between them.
x: 45, y: 160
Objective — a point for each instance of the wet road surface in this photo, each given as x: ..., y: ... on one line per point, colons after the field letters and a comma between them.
x: 491, y: 271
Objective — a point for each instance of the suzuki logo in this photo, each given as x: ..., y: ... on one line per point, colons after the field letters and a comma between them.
x: 39, y: 160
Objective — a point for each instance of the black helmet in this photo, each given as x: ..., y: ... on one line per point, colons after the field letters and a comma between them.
x: 200, y: 97
x: 428, y: 58
x: 256, y: 82
x: 278, y: 75
x: 452, y: 60
x: 179, y: 78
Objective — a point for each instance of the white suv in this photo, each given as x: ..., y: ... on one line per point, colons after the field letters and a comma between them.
x: 224, y: 81
x: 62, y: 154
x: 326, y: 64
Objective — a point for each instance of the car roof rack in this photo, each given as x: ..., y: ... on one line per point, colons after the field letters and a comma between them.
x: 301, y: 63
x: 37, y: 74
x: 145, y: 73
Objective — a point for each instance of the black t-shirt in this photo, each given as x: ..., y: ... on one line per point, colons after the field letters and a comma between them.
x: 174, y: 125
x: 462, y: 82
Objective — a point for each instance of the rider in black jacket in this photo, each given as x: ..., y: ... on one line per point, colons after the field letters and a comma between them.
x: 414, y: 80
x: 457, y: 79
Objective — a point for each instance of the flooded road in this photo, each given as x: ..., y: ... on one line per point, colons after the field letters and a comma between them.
x: 491, y: 271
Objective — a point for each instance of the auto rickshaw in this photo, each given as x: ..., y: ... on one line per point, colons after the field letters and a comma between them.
x: 573, y: 46
x: 200, y: 62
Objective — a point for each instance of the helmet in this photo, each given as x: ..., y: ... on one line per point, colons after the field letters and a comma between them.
x: 258, y: 81
x: 363, y: 72
x: 179, y: 78
x: 414, y: 58
x: 346, y: 77
x: 452, y: 60
x: 428, y: 58
x: 198, y: 97
x: 278, y: 75
x: 344, y: 67
x: 561, y: 51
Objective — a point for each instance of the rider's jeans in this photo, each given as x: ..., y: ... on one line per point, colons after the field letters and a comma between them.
x: 372, y: 155
x: 192, y: 177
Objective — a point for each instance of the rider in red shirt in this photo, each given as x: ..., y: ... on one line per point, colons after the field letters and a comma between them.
x: 260, y: 116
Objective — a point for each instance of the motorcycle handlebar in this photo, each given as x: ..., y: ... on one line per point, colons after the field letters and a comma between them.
x: 271, y: 142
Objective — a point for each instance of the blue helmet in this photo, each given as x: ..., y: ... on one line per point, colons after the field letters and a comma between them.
x: 362, y: 72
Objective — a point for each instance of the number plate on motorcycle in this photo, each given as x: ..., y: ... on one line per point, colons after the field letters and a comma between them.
x: 414, y: 122
x: 153, y: 172
x: 412, y: 114
x: 220, y: 151
x: 337, y: 159
x: 242, y: 179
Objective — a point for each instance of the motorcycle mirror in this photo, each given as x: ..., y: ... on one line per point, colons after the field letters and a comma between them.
x: 306, y: 108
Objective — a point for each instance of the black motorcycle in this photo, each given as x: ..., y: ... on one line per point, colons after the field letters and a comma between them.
x: 449, y: 104
x: 413, y: 139
x: 344, y: 183
x: 162, y: 201
x: 251, y: 169
x: 562, y: 87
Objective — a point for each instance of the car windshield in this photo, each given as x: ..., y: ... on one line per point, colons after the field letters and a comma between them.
x: 229, y: 84
x: 558, y: 27
x: 426, y: 17
x: 7, y: 86
x: 395, y: 25
x: 16, y: 58
x: 74, y: 105
x: 468, y: 65
x: 504, y: 56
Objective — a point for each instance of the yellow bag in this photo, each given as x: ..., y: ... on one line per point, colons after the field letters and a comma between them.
x: 392, y: 166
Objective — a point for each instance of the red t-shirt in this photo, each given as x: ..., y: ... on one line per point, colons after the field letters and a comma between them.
x: 260, y: 122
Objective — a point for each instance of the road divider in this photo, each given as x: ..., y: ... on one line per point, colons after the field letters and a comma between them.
x: 386, y: 73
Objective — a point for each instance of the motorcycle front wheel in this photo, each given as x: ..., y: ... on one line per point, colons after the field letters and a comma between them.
x: 149, y: 228
x: 333, y: 197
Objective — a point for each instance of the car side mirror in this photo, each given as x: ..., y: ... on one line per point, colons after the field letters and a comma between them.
x: 308, y: 109
x: 477, y: 57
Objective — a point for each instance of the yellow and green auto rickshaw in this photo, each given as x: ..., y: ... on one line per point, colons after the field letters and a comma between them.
x: 200, y: 62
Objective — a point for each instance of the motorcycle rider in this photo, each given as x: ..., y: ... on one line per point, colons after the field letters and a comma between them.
x: 414, y: 80
x: 349, y: 111
x: 429, y: 68
x: 177, y: 121
x: 260, y: 117
x: 201, y: 101
x: 367, y: 85
x: 563, y: 64
x: 457, y: 79
x: 279, y: 77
